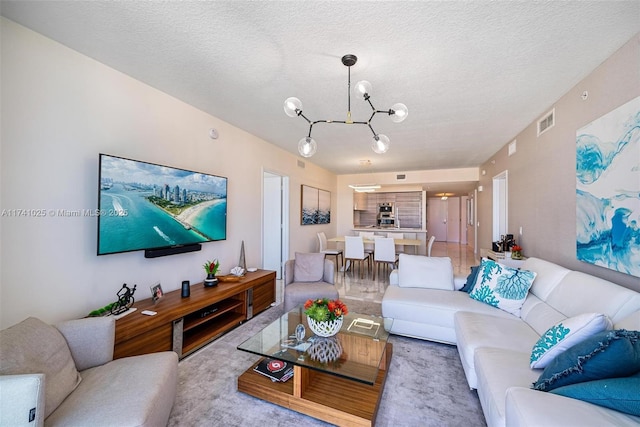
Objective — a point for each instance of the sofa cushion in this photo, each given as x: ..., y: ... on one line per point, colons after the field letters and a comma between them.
x: 498, y: 370
x: 419, y: 271
x: 132, y: 391
x: 502, y: 287
x: 475, y: 331
x: 429, y: 313
x: 471, y: 279
x: 532, y: 408
x: 608, y: 354
x: 308, y: 267
x: 565, y: 334
x: 34, y: 347
x: 621, y: 394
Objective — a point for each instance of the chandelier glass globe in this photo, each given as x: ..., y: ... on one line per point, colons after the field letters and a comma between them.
x: 362, y: 89
x: 292, y: 106
x: 380, y: 143
x: 307, y: 147
x: 400, y: 112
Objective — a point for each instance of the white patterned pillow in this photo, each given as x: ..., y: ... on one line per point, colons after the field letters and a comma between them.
x: 501, y: 286
x: 566, y: 334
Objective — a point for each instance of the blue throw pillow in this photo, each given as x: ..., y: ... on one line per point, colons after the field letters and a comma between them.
x: 471, y: 279
x: 621, y: 394
x: 608, y: 354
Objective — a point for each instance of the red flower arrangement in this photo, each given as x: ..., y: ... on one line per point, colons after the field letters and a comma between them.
x: 324, y: 309
x: 516, y: 248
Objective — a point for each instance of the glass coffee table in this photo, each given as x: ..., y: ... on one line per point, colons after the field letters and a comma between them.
x: 338, y: 379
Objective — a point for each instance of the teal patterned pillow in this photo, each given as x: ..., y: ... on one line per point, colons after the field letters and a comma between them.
x: 502, y: 287
x: 565, y: 334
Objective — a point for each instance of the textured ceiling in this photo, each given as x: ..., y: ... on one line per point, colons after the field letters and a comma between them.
x: 473, y: 74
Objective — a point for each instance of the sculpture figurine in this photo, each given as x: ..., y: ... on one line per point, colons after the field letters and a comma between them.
x: 125, y: 299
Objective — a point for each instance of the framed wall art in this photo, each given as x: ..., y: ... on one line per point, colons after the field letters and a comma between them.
x: 316, y: 206
x: 608, y: 190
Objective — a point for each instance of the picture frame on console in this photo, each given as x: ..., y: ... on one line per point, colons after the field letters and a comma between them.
x: 156, y: 292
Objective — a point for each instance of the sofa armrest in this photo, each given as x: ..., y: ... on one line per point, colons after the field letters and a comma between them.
x: 329, y: 272
x: 22, y: 400
x: 90, y: 340
x: 288, y: 272
x: 393, y: 277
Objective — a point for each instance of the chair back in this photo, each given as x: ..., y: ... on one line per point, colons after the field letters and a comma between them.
x: 385, y: 249
x: 399, y: 248
x: 431, y: 240
x: 353, y: 247
x: 369, y: 235
x: 322, y: 239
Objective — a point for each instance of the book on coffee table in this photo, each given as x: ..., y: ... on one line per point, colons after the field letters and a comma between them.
x: 277, y: 370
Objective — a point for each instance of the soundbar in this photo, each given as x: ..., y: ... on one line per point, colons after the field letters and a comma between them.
x: 181, y: 249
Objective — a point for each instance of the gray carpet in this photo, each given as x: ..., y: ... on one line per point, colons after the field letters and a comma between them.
x: 425, y: 385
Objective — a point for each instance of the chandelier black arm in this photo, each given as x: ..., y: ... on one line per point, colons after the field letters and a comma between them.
x: 372, y: 131
x: 303, y: 116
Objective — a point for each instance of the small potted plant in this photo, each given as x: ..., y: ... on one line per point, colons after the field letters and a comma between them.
x: 211, y: 267
x: 516, y: 252
x: 325, y: 316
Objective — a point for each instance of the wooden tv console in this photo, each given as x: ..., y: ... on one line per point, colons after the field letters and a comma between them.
x: 186, y: 324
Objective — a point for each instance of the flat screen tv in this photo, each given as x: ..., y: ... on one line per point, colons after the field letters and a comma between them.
x: 145, y: 206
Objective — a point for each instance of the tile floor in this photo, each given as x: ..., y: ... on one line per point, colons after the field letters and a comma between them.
x: 351, y: 286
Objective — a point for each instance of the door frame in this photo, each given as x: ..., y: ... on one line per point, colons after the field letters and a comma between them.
x: 500, y: 205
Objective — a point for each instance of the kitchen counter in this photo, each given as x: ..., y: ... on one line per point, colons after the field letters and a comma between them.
x: 389, y: 229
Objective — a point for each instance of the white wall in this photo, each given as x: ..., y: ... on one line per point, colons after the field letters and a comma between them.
x: 542, y: 172
x: 59, y: 110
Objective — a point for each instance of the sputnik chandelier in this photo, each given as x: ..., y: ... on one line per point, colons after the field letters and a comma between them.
x: 307, y: 146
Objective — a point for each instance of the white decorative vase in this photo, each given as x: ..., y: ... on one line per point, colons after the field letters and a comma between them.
x: 326, y: 328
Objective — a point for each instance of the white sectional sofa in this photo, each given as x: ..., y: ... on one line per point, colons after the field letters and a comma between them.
x: 495, y: 346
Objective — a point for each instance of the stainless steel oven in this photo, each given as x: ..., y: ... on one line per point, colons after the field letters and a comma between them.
x: 386, y: 215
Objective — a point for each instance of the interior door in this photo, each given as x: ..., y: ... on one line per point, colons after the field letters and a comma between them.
x: 275, y: 223
x: 453, y: 219
x: 437, y: 218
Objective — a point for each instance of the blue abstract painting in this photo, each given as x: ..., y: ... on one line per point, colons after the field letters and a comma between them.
x: 608, y: 190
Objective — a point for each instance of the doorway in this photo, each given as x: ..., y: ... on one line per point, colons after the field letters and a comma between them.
x: 443, y: 219
x: 275, y: 221
x: 500, y: 204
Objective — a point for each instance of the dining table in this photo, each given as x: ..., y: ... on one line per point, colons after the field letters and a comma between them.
x: 405, y: 242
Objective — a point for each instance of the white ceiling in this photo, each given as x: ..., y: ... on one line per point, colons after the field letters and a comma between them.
x: 473, y: 74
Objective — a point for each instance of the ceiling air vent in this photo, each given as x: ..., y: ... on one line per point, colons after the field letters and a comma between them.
x: 401, y: 177
x: 547, y: 122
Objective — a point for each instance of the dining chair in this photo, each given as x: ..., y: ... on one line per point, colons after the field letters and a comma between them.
x: 322, y: 240
x: 399, y: 248
x: 431, y: 240
x: 354, y: 251
x: 384, y: 254
x: 369, y: 235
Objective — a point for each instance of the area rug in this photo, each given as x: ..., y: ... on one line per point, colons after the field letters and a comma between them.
x: 425, y: 385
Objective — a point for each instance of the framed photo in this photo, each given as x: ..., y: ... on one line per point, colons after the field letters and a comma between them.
x: 316, y: 206
x: 156, y: 292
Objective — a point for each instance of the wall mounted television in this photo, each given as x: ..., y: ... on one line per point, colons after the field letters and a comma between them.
x: 159, y: 209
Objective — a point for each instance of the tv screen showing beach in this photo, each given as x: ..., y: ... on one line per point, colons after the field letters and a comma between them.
x: 148, y: 206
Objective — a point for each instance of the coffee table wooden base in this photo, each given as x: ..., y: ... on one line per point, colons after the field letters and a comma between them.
x: 333, y: 399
